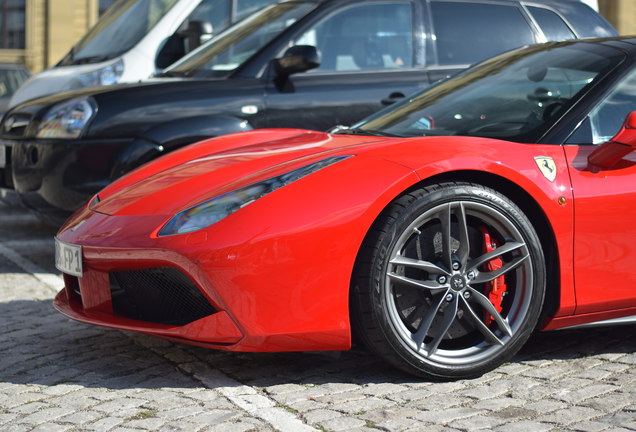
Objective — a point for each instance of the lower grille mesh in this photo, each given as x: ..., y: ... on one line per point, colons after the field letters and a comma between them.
x: 161, y: 295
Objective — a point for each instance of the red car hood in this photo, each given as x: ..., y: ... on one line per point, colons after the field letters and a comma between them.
x: 212, y: 167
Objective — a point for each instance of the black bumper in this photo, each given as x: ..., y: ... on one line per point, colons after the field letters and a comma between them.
x: 59, y: 176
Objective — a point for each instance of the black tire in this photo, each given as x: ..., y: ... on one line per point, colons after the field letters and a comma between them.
x: 422, y: 295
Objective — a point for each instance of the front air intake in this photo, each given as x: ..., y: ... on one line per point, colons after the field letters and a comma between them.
x: 161, y: 295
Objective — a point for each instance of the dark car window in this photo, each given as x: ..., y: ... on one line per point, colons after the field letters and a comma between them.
x: 226, y: 51
x: 470, y: 32
x: 372, y: 36
x: 515, y: 97
x: 608, y: 116
x: 553, y: 27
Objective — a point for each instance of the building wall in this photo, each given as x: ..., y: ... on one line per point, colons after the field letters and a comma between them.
x: 621, y: 14
x: 51, y: 29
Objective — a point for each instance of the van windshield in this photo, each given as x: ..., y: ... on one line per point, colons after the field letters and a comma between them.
x: 118, y: 30
x: 225, y: 52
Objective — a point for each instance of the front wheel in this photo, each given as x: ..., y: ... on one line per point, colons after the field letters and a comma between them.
x: 450, y: 281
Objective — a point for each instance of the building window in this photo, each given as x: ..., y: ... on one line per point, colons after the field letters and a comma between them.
x: 12, y: 24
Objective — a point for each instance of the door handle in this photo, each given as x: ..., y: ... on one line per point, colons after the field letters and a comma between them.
x: 393, y: 98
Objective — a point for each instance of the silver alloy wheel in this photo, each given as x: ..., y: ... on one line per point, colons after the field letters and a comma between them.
x: 436, y: 284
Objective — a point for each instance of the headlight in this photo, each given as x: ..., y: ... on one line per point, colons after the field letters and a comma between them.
x: 107, y: 75
x: 68, y: 119
x: 211, y: 211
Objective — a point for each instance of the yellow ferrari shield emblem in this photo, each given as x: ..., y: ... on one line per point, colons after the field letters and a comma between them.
x: 546, y: 166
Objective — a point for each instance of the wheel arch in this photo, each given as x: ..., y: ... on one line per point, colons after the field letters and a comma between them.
x: 520, y: 198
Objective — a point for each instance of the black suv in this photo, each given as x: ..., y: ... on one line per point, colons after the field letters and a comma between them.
x: 309, y: 64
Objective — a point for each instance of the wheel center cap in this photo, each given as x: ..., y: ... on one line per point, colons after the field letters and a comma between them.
x: 457, y: 283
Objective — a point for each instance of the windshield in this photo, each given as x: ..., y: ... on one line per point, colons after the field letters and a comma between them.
x: 516, y: 96
x: 118, y: 30
x: 224, y: 53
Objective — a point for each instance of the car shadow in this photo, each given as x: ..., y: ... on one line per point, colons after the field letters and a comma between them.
x: 40, y: 346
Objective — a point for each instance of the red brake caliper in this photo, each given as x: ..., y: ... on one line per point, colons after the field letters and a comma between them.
x: 495, y: 289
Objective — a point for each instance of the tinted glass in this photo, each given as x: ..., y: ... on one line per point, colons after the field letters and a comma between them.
x: 374, y: 36
x: 10, y: 79
x: 215, y: 12
x: 552, y: 25
x: 608, y: 117
x: 248, y: 7
x: 115, y: 33
x: 228, y: 50
x: 470, y: 32
x: 516, y: 97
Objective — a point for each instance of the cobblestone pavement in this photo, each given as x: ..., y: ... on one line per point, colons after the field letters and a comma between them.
x: 59, y: 375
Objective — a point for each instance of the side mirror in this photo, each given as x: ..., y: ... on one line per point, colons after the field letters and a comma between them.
x: 624, y: 142
x: 298, y: 58
x: 196, y: 33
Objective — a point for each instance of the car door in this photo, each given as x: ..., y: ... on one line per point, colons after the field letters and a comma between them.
x: 605, y: 209
x: 369, y: 59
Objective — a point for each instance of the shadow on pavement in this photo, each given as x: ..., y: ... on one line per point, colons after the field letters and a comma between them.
x: 40, y: 346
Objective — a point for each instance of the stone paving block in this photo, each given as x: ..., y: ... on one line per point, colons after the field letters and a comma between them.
x: 320, y: 415
x: 496, y: 404
x: 307, y: 405
x: 567, y: 416
x: 383, y: 389
x: 478, y: 422
x: 51, y: 427
x: 584, y: 393
x: 443, y: 401
x: 215, y: 416
x: 589, y: 426
x: 446, y: 416
x: 81, y: 417
x: 524, y: 426
x: 342, y: 424
x: 411, y: 395
x: 363, y: 405
x: 545, y: 406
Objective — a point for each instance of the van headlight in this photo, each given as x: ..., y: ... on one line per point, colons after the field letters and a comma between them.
x: 211, y: 211
x: 67, y: 119
x: 105, y: 76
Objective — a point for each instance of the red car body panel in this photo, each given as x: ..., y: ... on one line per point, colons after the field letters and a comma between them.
x: 278, y: 271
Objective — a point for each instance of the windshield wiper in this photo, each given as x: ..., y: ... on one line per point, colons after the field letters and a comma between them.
x: 357, y: 131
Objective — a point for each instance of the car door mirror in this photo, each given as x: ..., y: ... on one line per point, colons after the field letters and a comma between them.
x: 610, y: 153
x: 196, y: 33
x: 298, y: 58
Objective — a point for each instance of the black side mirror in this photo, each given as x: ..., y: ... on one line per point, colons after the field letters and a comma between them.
x: 298, y: 58
x: 610, y: 153
x: 195, y: 33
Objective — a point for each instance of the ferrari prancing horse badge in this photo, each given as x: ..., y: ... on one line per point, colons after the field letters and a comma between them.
x: 546, y: 166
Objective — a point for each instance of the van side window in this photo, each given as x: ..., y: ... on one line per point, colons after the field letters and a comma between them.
x: 370, y: 36
x: 553, y: 26
x: 470, y: 32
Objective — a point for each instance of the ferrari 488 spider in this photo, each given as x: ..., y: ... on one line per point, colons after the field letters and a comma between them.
x: 442, y: 230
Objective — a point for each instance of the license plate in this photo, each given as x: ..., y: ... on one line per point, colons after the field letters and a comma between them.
x: 68, y: 258
x: 3, y: 156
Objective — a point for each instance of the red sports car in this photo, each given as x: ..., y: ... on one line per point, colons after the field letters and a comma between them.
x: 442, y: 230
